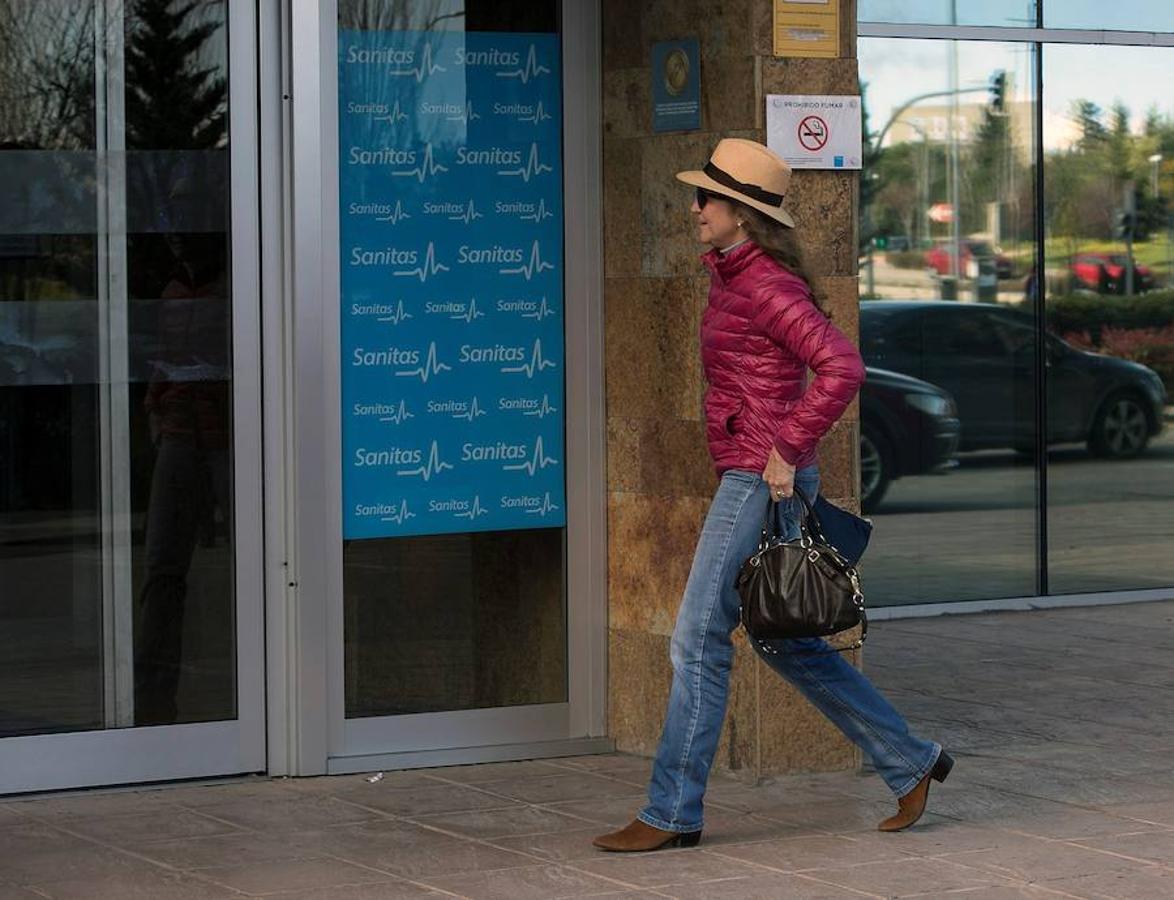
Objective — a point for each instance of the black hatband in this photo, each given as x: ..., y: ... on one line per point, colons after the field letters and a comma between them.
x: 753, y: 191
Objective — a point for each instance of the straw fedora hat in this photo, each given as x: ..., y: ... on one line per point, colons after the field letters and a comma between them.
x: 748, y: 172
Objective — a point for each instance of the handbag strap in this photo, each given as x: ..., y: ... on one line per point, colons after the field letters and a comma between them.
x: 808, y: 522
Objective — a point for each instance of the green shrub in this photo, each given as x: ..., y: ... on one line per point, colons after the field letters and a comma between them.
x: 1092, y: 313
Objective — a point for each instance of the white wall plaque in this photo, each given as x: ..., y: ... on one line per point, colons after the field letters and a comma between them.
x: 813, y: 131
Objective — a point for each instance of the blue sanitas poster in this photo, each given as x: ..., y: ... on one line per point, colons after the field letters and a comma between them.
x: 450, y: 186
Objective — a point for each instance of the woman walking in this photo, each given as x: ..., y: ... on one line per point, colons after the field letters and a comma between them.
x: 760, y: 333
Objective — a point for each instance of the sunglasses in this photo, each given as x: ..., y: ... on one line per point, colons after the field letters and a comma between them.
x: 704, y: 196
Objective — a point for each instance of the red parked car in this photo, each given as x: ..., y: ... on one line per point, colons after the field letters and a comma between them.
x: 1105, y: 273
x: 939, y: 257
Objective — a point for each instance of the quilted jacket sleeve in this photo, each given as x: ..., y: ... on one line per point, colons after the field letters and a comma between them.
x: 788, y: 315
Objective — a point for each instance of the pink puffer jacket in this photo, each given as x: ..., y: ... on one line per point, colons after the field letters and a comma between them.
x: 760, y: 334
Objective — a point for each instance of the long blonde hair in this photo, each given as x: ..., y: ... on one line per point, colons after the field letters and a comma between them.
x: 780, y: 243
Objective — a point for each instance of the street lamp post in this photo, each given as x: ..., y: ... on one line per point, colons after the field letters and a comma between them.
x: 1156, y: 190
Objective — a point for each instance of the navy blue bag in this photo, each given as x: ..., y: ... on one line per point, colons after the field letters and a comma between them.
x: 848, y: 533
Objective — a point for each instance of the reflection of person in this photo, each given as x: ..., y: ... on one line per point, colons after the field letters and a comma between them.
x: 187, y: 405
x: 761, y: 331
x: 1031, y: 287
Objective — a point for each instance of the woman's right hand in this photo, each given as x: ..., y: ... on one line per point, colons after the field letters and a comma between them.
x: 780, y: 475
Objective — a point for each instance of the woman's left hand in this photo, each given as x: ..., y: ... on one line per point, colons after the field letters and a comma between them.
x: 780, y: 475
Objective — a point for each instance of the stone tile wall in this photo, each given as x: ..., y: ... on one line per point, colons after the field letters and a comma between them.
x: 660, y: 480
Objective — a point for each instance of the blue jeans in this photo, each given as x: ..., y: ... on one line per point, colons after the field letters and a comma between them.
x: 702, y: 653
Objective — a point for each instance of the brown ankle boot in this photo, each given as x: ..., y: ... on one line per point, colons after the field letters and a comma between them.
x: 911, y: 807
x: 639, y: 837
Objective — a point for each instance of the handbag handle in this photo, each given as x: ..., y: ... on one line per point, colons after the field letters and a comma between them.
x: 808, y: 522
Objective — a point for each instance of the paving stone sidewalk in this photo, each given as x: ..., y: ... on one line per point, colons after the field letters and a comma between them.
x: 1062, y: 723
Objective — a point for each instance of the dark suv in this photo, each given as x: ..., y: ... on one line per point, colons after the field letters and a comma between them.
x: 984, y: 356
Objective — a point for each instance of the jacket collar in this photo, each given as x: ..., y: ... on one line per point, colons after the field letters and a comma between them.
x: 727, y: 265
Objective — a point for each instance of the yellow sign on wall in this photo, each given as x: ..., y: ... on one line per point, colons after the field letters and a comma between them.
x: 807, y: 28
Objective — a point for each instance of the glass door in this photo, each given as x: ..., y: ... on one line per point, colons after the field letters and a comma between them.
x: 457, y: 631
x: 130, y: 588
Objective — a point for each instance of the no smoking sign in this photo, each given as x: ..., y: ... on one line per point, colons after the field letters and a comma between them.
x: 815, y: 132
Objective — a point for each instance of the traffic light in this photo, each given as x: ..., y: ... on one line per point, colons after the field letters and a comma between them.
x: 998, y: 91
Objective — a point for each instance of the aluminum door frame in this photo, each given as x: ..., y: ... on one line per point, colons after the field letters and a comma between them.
x: 319, y: 737
x: 121, y: 755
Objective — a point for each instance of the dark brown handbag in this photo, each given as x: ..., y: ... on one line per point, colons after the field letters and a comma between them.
x: 800, y: 588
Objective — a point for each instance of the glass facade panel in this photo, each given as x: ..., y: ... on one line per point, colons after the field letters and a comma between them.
x: 950, y: 12
x: 1121, y: 15
x: 948, y: 409
x: 454, y: 591
x: 115, y: 367
x: 1109, y: 182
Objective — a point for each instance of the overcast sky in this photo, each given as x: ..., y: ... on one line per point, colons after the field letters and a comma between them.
x: 1141, y: 77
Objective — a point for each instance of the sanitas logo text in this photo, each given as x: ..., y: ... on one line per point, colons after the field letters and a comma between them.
x: 493, y: 452
x: 390, y: 456
x: 386, y: 256
x: 522, y: 502
x: 493, y: 255
x: 368, y: 109
x: 392, y: 356
x: 493, y: 156
x: 384, y: 56
x: 496, y: 354
x: 441, y: 506
x: 518, y: 404
x: 494, y: 57
x: 384, y: 156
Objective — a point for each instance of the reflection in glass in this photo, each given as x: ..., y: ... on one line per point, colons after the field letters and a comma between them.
x: 73, y: 526
x: 947, y: 230
x: 1109, y: 181
x: 51, y: 640
x: 950, y: 12
x: 180, y: 362
x: 452, y: 621
x: 1120, y: 15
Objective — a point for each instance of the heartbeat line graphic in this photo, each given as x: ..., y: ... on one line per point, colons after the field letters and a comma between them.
x: 545, y: 509
x: 422, y: 71
x: 396, y: 115
x: 467, y: 115
x: 540, y: 114
x: 426, y: 169
x: 433, y: 465
x: 396, y: 215
x: 541, y: 313
x: 401, y: 414
x: 474, y: 511
x: 430, y: 267
x: 538, y: 461
x: 432, y: 366
x: 544, y: 410
x: 539, y: 214
x: 471, y: 314
x: 398, y: 315
x: 401, y: 515
x: 529, y: 269
x: 531, y: 69
x: 469, y: 216
x: 475, y: 412
x: 536, y: 363
x: 532, y: 169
